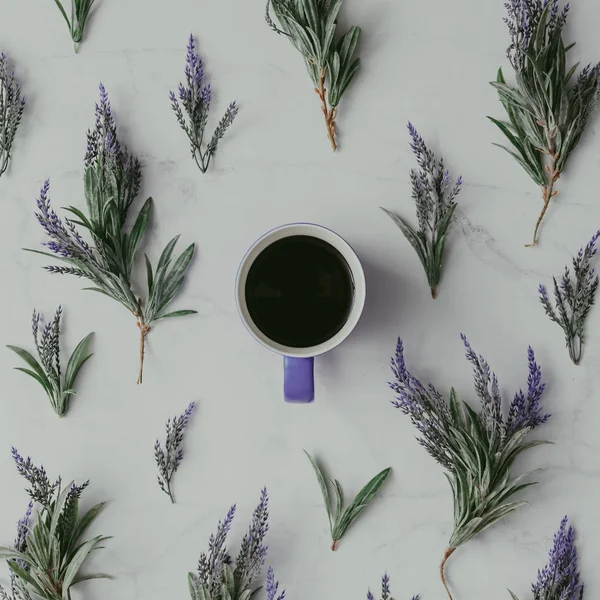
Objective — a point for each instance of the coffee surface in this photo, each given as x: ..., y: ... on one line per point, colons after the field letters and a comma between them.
x: 299, y: 291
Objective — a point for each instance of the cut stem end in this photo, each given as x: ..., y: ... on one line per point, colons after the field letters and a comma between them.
x: 328, y: 113
x: 144, y: 329
x: 334, y: 545
x: 447, y: 554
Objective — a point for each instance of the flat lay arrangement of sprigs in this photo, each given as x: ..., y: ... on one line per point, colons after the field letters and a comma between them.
x: 435, y: 195
x: 112, y: 179
x: 12, y: 105
x: 49, y: 552
x: 548, y: 100
x: 46, y: 369
x: 476, y: 449
x: 550, y: 105
x: 310, y: 25
x: 191, y: 106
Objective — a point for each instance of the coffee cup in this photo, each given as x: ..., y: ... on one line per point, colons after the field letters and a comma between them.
x: 300, y: 291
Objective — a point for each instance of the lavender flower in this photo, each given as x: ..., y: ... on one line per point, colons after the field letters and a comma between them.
x: 48, y: 554
x: 112, y: 182
x: 193, y: 98
x: 272, y: 587
x: 545, y: 121
x: 215, y: 571
x: 17, y: 590
x: 435, y: 197
x: 574, y: 297
x: 385, y: 590
x: 169, y: 458
x: 42, y: 490
x: 59, y: 386
x: 23, y: 529
x: 559, y: 579
x: 477, y: 449
x: 12, y: 105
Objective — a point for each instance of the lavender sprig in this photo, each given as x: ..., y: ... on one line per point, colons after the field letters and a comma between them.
x: 311, y: 26
x: 169, y: 458
x: 194, y: 98
x: 573, y: 298
x: 272, y: 587
x: 547, y: 110
x: 435, y: 197
x: 477, y: 449
x: 216, y: 571
x: 17, y: 590
x: 385, y: 590
x: 59, y: 386
x: 48, y: 554
x: 12, y: 105
x: 112, y: 182
x: 339, y: 519
x: 559, y: 579
x: 80, y: 10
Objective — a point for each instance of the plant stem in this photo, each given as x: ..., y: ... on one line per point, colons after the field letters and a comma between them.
x: 434, y: 292
x: 575, y: 348
x: 447, y: 554
x: 169, y: 492
x: 548, y: 192
x: 334, y: 545
x: 144, y: 329
x: 328, y: 113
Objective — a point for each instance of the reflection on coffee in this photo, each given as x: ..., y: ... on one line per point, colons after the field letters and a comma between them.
x: 299, y: 291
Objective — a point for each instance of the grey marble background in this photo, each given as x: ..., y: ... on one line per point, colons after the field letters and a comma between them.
x: 427, y: 61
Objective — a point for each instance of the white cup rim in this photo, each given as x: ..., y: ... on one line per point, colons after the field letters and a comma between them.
x: 327, y: 235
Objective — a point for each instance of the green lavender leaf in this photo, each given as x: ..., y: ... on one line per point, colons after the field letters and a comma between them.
x: 340, y: 521
x: 324, y: 489
x: 360, y: 502
x: 77, y: 360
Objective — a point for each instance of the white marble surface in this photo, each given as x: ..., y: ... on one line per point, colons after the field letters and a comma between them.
x: 425, y: 61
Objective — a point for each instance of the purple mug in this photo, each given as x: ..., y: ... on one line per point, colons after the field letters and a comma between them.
x: 299, y: 361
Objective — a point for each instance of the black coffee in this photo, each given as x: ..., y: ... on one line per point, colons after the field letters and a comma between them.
x: 299, y: 291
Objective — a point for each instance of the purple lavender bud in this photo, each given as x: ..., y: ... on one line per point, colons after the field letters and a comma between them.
x: 205, y: 95
x: 272, y: 587
x: 560, y: 577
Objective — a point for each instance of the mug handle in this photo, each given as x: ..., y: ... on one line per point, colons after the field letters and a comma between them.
x: 298, y: 379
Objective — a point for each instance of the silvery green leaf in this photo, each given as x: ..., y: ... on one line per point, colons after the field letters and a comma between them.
x: 229, y: 579
x: 77, y: 360
x: 76, y: 563
x: 324, y: 488
x: 411, y: 235
x: 360, y: 502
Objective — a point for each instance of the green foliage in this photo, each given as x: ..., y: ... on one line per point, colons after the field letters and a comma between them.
x: 80, y: 10
x: 54, y: 555
x: 310, y: 25
x: 46, y: 371
x: 339, y: 519
x: 481, y: 481
x: 547, y: 113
